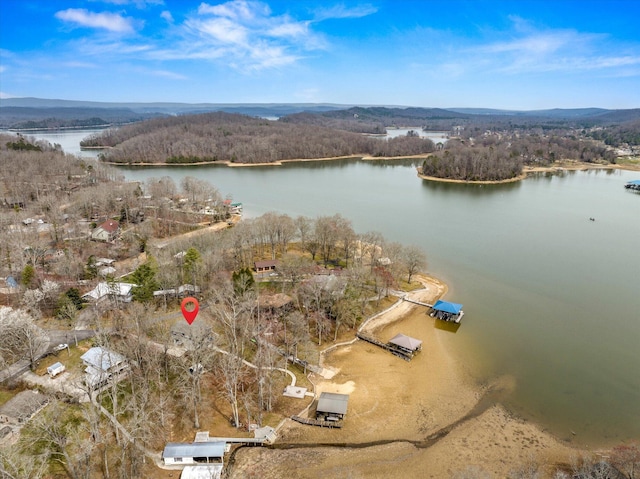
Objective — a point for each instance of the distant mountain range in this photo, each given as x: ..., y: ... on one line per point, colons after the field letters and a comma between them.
x: 26, y: 113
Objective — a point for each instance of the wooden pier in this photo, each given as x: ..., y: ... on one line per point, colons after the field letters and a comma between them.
x: 317, y: 422
x: 418, y: 302
x: 393, y: 349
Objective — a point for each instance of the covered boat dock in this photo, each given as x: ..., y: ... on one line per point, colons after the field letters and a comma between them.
x: 633, y: 185
x: 447, y: 311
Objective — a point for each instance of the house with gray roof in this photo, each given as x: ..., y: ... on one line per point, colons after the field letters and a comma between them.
x: 101, y: 365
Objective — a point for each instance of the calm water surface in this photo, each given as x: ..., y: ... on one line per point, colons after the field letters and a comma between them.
x: 552, y: 299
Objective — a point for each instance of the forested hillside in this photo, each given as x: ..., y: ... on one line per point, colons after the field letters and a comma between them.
x: 212, y: 137
x: 28, y: 118
x: 494, y: 157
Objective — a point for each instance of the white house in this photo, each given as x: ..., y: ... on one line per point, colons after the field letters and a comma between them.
x: 101, y: 365
x: 116, y: 291
x: 194, y: 453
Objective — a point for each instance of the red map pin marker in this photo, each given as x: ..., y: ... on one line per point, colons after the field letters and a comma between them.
x: 190, y: 315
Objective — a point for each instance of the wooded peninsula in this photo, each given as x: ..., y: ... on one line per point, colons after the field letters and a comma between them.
x: 479, y: 148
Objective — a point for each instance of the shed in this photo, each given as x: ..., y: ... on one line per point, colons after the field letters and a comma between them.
x: 447, y: 311
x: 55, y: 369
x: 332, y: 406
x: 194, y: 453
x: 406, y: 343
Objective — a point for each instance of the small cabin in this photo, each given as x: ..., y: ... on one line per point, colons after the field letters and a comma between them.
x: 265, y: 266
x: 332, y: 406
x: 446, y: 311
x: 55, y: 369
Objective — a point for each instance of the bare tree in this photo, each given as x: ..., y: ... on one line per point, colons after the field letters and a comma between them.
x: 16, y: 463
x: 56, y: 431
x: 232, y: 371
x: 414, y: 261
x: 626, y: 458
x: 20, y: 338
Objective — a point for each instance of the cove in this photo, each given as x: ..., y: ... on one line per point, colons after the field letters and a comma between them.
x: 551, y: 298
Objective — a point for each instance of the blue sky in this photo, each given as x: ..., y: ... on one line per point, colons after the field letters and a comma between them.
x: 446, y: 53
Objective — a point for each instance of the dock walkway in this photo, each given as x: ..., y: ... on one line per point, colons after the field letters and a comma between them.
x: 317, y: 422
x: 407, y: 356
x: 417, y: 302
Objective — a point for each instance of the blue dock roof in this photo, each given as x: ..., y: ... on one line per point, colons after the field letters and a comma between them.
x: 447, y: 307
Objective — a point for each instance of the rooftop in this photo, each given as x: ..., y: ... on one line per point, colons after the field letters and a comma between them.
x: 23, y: 405
x: 406, y: 342
x: 102, y: 359
x: 194, y: 449
x: 447, y: 307
x: 333, y: 403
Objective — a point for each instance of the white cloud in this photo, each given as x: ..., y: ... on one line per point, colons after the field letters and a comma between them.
x: 138, y: 3
x: 531, y: 50
x: 248, y: 34
x: 342, y: 11
x: 167, y: 16
x: 106, y: 21
x: 222, y: 30
x: 168, y: 74
x: 289, y: 29
x: 76, y: 64
x: 236, y: 10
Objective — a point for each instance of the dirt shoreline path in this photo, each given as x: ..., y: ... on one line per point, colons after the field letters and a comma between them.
x: 424, y: 418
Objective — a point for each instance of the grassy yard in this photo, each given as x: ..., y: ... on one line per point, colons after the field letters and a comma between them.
x: 69, y: 357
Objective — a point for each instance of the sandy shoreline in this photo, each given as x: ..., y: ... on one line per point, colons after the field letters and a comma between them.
x: 424, y: 418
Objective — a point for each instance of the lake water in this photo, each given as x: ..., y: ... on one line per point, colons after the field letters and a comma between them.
x: 552, y: 299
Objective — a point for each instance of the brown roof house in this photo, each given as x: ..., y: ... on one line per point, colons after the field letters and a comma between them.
x: 107, y: 231
x: 265, y: 266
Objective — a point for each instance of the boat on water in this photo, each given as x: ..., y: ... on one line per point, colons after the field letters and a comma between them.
x: 633, y: 185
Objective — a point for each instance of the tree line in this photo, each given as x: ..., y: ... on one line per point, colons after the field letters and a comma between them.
x: 235, y: 138
x: 500, y: 156
x: 618, y: 135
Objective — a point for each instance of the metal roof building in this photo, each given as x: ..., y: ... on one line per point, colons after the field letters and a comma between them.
x: 332, y: 406
x: 192, y: 453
